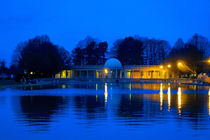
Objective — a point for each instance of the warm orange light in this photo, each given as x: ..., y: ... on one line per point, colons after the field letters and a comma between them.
x: 209, y: 101
x: 179, y: 63
x: 106, y: 71
x: 161, y: 66
x: 105, y: 93
x: 161, y: 96
x: 209, y: 61
x: 169, y: 66
x: 179, y: 94
x: 169, y: 98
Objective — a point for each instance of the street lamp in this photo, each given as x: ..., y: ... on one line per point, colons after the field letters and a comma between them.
x: 179, y: 63
x: 161, y: 66
x: 169, y: 66
x: 106, y: 71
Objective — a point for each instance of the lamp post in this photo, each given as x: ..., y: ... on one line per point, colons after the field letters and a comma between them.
x: 106, y: 71
x: 169, y: 65
x: 179, y: 63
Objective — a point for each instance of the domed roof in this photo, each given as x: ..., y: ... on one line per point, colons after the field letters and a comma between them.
x: 113, y: 63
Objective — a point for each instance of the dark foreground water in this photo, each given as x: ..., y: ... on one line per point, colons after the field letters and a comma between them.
x: 105, y: 112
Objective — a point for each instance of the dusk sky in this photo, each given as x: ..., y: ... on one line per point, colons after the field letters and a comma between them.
x: 68, y: 21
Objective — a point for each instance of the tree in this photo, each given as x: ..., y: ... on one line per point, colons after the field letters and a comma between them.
x: 3, y: 68
x: 155, y: 51
x: 89, y: 52
x: 77, y: 56
x: 202, y: 43
x: 65, y: 55
x: 129, y: 51
x: 190, y: 54
x: 39, y: 56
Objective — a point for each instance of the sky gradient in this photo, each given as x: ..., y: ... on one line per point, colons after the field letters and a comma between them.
x: 68, y: 21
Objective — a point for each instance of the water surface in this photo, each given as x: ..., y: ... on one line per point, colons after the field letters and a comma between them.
x: 105, y: 111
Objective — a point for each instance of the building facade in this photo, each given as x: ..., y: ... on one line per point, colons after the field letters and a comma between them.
x: 113, y: 69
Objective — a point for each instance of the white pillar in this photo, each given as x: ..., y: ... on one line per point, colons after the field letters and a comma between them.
x: 116, y: 76
x: 125, y: 74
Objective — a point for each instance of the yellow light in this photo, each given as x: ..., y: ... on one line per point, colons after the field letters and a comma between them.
x: 209, y: 61
x: 179, y: 94
x: 169, y: 66
x: 169, y: 98
x: 161, y: 96
x: 130, y: 86
x: 209, y: 101
x: 105, y: 93
x: 106, y: 71
x: 161, y: 66
x: 96, y: 86
x: 31, y: 73
x: 179, y: 63
x: 96, y: 98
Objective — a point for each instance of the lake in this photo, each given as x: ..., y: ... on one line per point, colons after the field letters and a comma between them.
x: 105, y: 112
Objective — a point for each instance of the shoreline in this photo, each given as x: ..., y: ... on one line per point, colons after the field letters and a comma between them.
x: 4, y: 84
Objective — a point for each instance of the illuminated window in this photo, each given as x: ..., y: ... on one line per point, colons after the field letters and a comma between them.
x: 128, y: 75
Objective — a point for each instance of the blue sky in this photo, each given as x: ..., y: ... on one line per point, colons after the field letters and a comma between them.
x: 68, y: 21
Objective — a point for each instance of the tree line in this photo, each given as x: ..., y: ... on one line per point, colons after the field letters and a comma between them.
x: 39, y: 57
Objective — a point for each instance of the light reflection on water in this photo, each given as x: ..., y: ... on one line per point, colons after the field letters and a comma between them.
x: 87, y: 109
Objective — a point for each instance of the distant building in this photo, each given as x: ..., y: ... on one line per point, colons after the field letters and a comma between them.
x: 113, y: 69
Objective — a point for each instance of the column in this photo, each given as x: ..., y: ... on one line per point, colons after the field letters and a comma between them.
x: 132, y: 74
x: 87, y: 74
x: 116, y: 76
x: 80, y: 75
x: 139, y: 74
x: 72, y: 74
x: 66, y: 73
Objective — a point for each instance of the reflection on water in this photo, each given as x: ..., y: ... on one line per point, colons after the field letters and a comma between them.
x: 161, y: 96
x: 179, y: 94
x: 209, y: 101
x: 105, y: 93
x: 169, y: 97
x: 95, y: 109
x: 38, y: 111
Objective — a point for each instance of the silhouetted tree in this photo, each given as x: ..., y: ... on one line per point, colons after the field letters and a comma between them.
x: 202, y: 43
x: 38, y: 55
x: 155, y: 51
x: 190, y: 53
x: 89, y: 52
x: 66, y: 57
x: 3, y: 68
x: 129, y: 51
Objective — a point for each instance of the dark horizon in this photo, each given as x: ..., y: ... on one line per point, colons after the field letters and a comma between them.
x: 68, y: 22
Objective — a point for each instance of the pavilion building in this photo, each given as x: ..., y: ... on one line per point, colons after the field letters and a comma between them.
x: 113, y: 69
